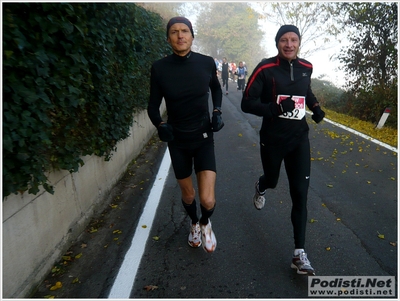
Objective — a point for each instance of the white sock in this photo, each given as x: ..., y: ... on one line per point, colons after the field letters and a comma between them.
x: 297, y: 251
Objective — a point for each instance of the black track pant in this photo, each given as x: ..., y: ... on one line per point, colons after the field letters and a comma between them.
x: 225, y: 82
x: 297, y: 164
x: 241, y: 83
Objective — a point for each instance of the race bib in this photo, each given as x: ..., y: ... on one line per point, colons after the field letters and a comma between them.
x: 299, y: 108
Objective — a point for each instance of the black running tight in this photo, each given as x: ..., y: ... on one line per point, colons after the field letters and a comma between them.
x: 225, y: 83
x: 297, y: 164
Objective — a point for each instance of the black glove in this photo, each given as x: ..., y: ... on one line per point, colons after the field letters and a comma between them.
x: 216, y: 121
x: 286, y: 105
x: 318, y: 114
x: 165, y: 132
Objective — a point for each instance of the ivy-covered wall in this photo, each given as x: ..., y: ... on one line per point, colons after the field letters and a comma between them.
x: 73, y: 75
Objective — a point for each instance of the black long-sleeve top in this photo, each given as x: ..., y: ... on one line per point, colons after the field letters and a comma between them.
x: 185, y: 84
x: 272, y: 77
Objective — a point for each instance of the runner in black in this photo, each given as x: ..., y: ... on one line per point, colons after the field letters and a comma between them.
x: 184, y: 79
x: 278, y: 90
x: 225, y: 74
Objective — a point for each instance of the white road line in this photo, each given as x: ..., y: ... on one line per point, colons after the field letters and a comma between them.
x: 363, y: 135
x: 360, y: 134
x: 125, y: 279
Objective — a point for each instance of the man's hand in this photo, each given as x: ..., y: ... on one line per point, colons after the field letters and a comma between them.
x: 216, y: 121
x: 286, y: 105
x: 318, y: 114
x: 165, y: 132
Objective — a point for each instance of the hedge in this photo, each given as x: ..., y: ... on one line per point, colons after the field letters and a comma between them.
x: 73, y: 76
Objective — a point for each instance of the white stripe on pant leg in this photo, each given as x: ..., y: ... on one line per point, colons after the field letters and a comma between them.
x: 125, y: 279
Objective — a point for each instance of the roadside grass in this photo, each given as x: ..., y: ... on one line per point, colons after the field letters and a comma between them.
x: 385, y: 134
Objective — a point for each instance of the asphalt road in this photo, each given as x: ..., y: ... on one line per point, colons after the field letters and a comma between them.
x: 352, y: 199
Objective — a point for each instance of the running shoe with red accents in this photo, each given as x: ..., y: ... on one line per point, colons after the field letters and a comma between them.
x: 194, y: 239
x: 302, y: 264
x: 208, y: 238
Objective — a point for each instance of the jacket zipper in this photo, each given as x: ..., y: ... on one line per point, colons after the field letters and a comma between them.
x: 291, y: 72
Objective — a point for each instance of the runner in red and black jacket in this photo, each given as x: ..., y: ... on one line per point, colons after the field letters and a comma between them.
x: 278, y: 90
x: 273, y: 77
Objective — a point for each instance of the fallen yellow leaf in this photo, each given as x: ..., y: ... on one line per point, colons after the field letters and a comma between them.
x: 156, y: 238
x: 78, y: 256
x: 328, y: 248
x: 76, y: 280
x: 329, y: 185
x: 56, y: 286
x: 240, y: 135
x: 144, y: 226
x: 150, y: 287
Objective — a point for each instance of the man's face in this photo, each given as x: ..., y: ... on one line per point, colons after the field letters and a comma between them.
x: 288, y: 46
x: 180, y: 38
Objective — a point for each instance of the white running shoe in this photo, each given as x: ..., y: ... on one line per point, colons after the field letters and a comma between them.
x: 208, y: 238
x: 194, y: 239
x: 302, y: 264
x: 258, y: 198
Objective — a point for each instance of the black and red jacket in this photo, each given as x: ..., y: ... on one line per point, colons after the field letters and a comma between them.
x: 272, y: 77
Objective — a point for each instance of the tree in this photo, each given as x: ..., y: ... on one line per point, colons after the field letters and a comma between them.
x: 371, y: 58
x: 370, y: 61
x: 230, y: 30
x: 312, y: 18
x: 166, y: 10
x: 327, y: 93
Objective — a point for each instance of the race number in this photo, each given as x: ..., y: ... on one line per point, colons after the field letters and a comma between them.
x: 299, y: 108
